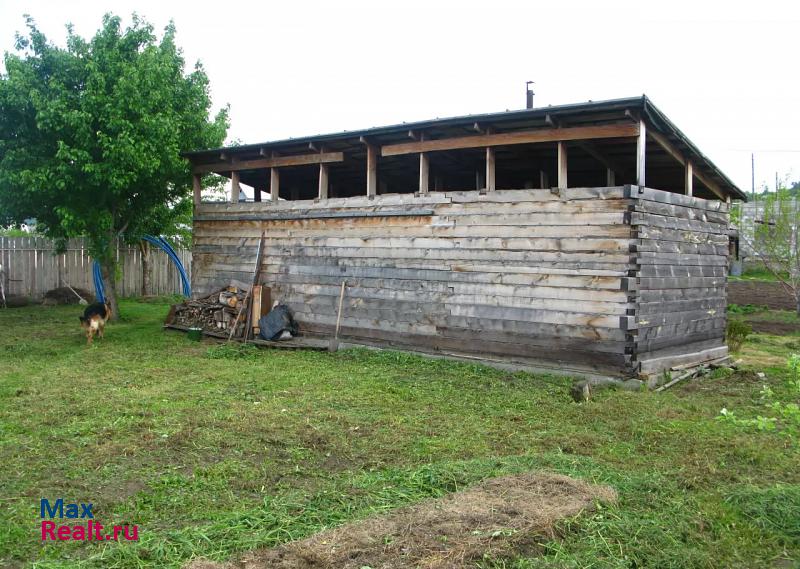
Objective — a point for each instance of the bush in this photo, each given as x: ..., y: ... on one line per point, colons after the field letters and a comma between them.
x: 737, y: 333
x: 745, y: 308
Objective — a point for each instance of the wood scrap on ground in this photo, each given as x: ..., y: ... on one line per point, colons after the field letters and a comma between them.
x: 214, y: 313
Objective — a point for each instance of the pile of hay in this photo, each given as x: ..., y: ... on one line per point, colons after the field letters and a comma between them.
x: 498, y: 518
x: 65, y: 295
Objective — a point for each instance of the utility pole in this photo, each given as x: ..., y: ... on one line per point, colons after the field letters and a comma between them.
x: 753, y: 173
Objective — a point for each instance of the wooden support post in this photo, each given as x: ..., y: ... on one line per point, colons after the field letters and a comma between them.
x: 688, y: 183
x: 641, y: 148
x: 562, y: 165
x: 197, y: 188
x: 274, y: 183
x: 438, y: 183
x: 236, y: 189
x: 256, y: 194
x: 490, y: 170
x: 323, y: 181
x: 372, y: 170
x: 424, y: 173
x: 611, y: 177
x: 543, y: 181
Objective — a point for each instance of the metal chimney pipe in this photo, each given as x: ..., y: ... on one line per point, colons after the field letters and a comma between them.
x: 528, y: 95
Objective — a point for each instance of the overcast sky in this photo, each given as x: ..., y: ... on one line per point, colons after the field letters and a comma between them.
x: 724, y: 72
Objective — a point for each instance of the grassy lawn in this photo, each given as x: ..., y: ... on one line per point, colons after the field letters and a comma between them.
x: 214, y: 451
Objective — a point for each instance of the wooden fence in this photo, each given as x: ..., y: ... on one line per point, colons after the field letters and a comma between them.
x: 31, y: 267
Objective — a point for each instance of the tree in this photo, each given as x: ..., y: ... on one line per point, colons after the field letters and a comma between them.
x: 91, y: 135
x: 772, y: 234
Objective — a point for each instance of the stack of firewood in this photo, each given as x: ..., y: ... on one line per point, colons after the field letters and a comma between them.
x: 214, y: 313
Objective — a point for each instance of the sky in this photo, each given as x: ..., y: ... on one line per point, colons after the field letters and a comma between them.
x: 724, y: 72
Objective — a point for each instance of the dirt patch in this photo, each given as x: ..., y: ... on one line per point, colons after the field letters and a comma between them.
x: 775, y: 328
x: 496, y: 518
x: 759, y: 293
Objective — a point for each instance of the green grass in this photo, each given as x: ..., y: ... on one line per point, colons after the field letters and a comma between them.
x: 216, y: 450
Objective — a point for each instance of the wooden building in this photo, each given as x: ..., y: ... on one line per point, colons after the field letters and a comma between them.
x: 588, y: 237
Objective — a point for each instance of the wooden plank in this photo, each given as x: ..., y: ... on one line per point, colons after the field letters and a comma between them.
x: 622, y: 130
x: 649, y: 283
x: 372, y: 170
x: 561, y: 167
x: 491, y: 184
x: 424, y: 173
x: 268, y: 215
x: 688, y: 182
x: 197, y: 189
x: 643, y: 193
x: 639, y: 218
x: 324, y: 176
x: 235, y: 187
x: 270, y: 162
x: 646, y: 232
x: 641, y: 154
x: 274, y: 184
x: 655, y: 365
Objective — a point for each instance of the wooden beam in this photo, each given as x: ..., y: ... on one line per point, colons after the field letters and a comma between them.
x: 507, y: 138
x: 424, y: 173
x: 491, y: 184
x: 197, y: 188
x: 611, y: 178
x: 662, y: 141
x: 562, y: 165
x: 236, y: 189
x: 689, y: 179
x: 641, y: 149
x: 543, y: 181
x: 274, y: 181
x: 324, y: 176
x: 270, y: 162
x: 372, y: 170
x: 256, y: 194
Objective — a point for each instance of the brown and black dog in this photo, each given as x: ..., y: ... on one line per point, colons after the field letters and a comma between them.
x: 94, y: 320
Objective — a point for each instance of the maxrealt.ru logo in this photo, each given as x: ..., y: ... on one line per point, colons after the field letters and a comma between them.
x: 90, y: 530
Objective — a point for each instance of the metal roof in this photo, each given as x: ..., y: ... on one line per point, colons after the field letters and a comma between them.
x: 649, y: 112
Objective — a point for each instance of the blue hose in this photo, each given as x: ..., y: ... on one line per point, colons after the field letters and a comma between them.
x: 99, y: 288
x: 162, y: 244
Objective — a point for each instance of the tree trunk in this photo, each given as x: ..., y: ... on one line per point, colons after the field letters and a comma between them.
x: 797, y: 304
x: 144, y: 247
x: 109, y: 270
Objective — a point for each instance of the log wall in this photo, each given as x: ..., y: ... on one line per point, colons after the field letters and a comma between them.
x: 609, y: 280
x: 681, y: 256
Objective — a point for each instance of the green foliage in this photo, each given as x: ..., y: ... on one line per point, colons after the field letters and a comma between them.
x: 784, y: 418
x: 91, y: 134
x: 736, y: 333
x: 213, y: 457
x: 233, y: 351
x: 775, y: 508
x: 774, y: 238
x: 745, y: 308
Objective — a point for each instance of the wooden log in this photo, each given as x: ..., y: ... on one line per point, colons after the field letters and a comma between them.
x: 372, y: 170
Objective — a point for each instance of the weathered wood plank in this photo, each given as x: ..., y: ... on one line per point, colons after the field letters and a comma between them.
x: 507, y: 138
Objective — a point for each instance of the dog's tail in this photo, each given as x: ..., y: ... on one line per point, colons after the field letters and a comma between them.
x: 107, y: 306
